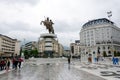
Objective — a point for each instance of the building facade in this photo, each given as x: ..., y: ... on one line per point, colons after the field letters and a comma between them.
x: 66, y: 53
x: 32, y: 45
x: 75, y: 48
x: 100, y: 37
x: 8, y: 46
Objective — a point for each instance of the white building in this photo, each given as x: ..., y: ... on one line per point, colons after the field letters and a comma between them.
x: 8, y: 46
x: 100, y: 36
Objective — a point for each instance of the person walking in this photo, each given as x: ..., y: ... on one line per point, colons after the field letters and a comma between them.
x: 68, y: 60
x: 7, y: 64
x: 117, y: 61
x: 16, y: 62
x: 20, y: 60
x: 2, y: 63
x: 114, y: 61
x: 89, y: 59
x: 13, y: 63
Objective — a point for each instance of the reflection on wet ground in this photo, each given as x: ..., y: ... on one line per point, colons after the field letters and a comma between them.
x: 106, y: 70
x: 48, y: 71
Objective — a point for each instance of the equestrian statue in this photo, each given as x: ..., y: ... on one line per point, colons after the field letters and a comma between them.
x: 48, y: 24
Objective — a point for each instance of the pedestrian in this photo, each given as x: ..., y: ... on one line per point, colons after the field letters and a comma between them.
x: 3, y: 64
x: 7, y: 64
x: 89, y: 60
x: 16, y: 61
x: 19, y: 62
x: 117, y: 61
x: 114, y: 61
x: 97, y: 58
x: 68, y: 60
x: 13, y: 63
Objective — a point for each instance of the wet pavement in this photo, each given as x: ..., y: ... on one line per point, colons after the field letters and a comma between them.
x: 106, y: 71
x: 48, y: 71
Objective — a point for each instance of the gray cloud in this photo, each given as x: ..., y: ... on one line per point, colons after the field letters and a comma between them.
x: 20, y: 21
x: 61, y: 26
x: 32, y: 2
x: 19, y: 26
x: 4, y: 28
x: 20, y: 30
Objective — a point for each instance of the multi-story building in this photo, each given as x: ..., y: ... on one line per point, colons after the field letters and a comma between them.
x: 49, y: 45
x: 75, y: 48
x: 30, y: 46
x: 8, y: 46
x: 67, y: 52
x: 100, y: 37
x: 61, y: 50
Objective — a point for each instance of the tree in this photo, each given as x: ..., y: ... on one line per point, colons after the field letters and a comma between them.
x: 26, y: 54
x: 104, y: 54
x: 34, y: 53
x: 115, y: 54
x: 118, y: 53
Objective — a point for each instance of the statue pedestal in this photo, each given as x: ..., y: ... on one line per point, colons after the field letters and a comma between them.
x: 47, y: 44
x: 48, y: 35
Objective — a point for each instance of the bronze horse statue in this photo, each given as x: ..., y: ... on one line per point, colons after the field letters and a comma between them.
x: 48, y: 24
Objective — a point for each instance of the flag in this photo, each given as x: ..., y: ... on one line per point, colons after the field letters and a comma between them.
x: 109, y: 14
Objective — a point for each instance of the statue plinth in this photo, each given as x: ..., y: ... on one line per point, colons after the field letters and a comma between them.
x: 48, y: 35
x: 48, y: 42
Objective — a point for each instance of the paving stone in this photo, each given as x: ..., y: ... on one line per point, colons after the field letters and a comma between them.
x: 50, y: 70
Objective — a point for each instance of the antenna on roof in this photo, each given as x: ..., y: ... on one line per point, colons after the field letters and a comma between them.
x: 109, y: 14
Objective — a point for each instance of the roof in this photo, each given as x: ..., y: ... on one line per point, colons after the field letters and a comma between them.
x: 8, y: 37
x: 98, y: 21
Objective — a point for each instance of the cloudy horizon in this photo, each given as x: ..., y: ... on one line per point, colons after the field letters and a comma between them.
x: 20, y: 19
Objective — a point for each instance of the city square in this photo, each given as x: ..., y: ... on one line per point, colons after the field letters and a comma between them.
x: 59, y: 40
x: 59, y: 69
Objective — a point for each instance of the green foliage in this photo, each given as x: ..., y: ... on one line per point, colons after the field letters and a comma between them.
x: 115, y: 54
x: 31, y: 53
x: 34, y: 53
x: 118, y: 53
x: 26, y: 54
x: 104, y: 54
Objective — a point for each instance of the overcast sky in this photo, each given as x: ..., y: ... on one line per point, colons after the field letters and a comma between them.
x: 20, y: 19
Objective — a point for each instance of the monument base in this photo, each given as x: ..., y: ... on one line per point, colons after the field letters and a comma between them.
x: 48, y: 35
x: 48, y: 45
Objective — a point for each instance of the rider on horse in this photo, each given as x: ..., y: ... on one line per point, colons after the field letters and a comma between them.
x: 48, y: 23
